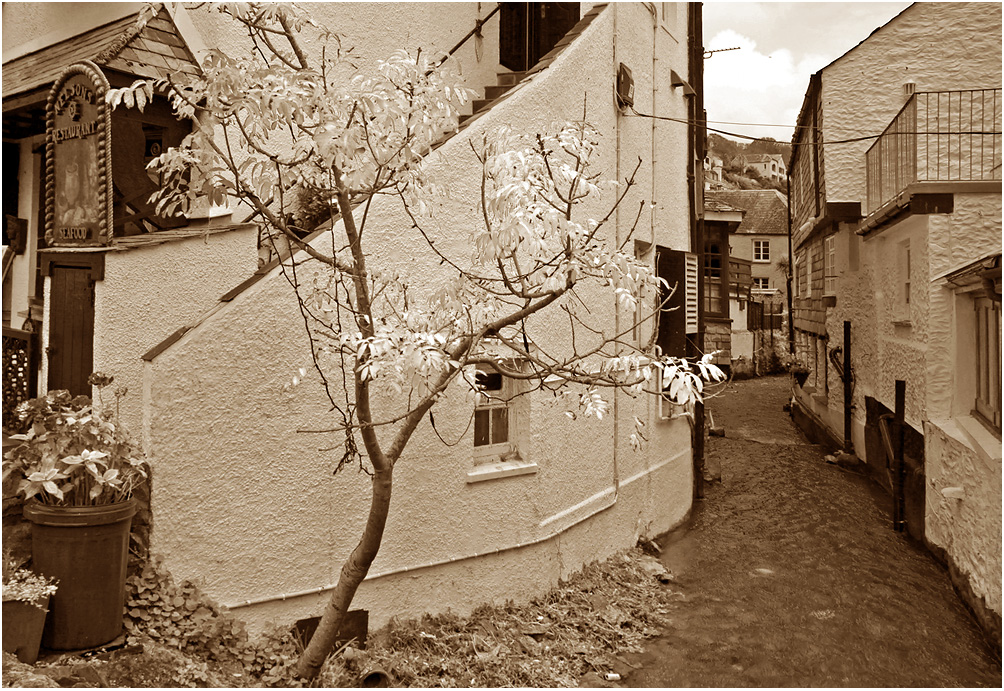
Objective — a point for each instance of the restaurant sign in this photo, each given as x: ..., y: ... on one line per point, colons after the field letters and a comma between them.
x: 78, y: 208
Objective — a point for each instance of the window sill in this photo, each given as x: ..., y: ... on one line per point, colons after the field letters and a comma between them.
x: 984, y: 442
x: 905, y: 323
x: 972, y: 434
x: 501, y: 469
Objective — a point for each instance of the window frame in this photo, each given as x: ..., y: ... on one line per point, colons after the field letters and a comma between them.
x: 830, y: 265
x: 716, y: 235
x: 494, y: 451
x: 987, y: 362
x: 759, y: 255
x: 765, y: 287
x: 901, y: 306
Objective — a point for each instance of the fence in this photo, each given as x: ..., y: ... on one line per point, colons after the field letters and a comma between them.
x: 19, y: 372
x: 938, y: 136
x: 764, y: 316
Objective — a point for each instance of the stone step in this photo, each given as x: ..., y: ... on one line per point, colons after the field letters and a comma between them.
x: 509, y: 78
x: 493, y: 92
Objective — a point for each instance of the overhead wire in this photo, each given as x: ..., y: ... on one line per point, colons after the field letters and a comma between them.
x: 849, y: 140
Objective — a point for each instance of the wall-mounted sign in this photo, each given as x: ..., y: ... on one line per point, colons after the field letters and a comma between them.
x: 78, y: 190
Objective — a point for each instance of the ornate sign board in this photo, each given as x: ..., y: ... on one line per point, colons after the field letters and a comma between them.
x: 78, y: 176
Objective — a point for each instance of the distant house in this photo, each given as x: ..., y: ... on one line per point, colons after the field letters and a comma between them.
x: 712, y: 171
x: 758, y: 251
x: 761, y: 238
x: 769, y: 166
x: 897, y: 266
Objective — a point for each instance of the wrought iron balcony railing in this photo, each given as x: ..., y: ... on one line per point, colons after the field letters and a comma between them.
x: 938, y: 136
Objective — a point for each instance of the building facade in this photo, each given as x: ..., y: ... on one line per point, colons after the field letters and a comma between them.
x: 897, y: 242
x: 249, y: 507
x: 770, y: 166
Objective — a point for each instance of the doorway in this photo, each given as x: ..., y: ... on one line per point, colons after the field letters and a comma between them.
x: 71, y: 328
x: 529, y: 30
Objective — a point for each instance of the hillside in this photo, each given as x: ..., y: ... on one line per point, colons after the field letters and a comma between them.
x: 737, y: 171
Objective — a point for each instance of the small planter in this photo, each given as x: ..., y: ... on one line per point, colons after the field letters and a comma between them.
x: 22, y: 628
x: 800, y: 376
x: 86, y: 549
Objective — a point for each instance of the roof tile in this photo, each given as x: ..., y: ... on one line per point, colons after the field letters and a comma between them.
x: 766, y: 210
x: 157, y: 50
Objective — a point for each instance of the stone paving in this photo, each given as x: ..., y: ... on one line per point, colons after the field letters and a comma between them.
x: 793, y: 576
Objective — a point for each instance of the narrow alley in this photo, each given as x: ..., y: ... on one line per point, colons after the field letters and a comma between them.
x: 793, y: 576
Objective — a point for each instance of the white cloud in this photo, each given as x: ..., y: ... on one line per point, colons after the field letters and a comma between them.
x: 782, y: 45
x: 748, y: 86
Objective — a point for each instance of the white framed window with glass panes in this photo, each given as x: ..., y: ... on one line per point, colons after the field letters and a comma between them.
x: 761, y: 284
x: 761, y: 250
x: 497, y: 416
x: 830, y: 265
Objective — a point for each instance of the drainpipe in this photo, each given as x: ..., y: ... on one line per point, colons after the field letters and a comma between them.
x: 695, y: 112
x: 846, y: 376
x: 618, y: 114
x: 791, y: 266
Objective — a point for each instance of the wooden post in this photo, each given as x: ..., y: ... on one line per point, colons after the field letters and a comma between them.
x: 898, y: 421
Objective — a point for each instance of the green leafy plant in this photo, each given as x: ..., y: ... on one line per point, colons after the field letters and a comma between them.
x: 73, y: 453
x: 24, y: 585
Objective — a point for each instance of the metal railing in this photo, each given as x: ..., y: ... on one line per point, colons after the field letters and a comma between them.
x: 938, y: 136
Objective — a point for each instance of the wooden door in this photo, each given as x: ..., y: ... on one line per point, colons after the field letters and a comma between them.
x: 529, y: 30
x: 71, y: 328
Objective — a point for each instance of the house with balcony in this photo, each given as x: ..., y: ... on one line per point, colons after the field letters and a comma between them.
x: 770, y: 166
x: 713, y: 175
x: 761, y: 238
x: 198, y: 320
x: 895, y: 178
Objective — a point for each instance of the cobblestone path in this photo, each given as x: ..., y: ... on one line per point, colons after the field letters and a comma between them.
x: 793, y: 576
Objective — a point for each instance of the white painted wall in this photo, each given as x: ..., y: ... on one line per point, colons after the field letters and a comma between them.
x: 246, y: 502
x: 927, y: 347
x: 150, y: 292
x: 863, y: 89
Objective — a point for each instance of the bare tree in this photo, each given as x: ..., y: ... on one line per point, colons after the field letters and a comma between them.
x: 296, y: 119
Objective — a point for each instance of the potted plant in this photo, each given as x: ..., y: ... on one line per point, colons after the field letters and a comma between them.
x: 800, y: 372
x: 25, y: 598
x: 77, y: 472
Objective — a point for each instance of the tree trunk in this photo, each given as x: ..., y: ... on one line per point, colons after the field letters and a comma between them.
x: 353, y: 572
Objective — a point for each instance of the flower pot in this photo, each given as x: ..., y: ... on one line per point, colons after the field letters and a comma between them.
x: 800, y: 377
x: 86, y: 548
x: 22, y: 628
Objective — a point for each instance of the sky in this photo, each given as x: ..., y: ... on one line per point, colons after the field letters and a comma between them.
x: 781, y: 45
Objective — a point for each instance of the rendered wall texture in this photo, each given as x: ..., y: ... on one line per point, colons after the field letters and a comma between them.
x: 862, y: 90
x: 967, y: 529
x: 148, y: 293
x: 374, y: 30
x: 243, y: 493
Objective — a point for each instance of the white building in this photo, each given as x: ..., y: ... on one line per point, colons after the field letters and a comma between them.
x: 897, y: 240
x: 204, y: 338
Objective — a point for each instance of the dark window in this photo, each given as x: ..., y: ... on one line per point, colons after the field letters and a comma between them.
x: 716, y: 275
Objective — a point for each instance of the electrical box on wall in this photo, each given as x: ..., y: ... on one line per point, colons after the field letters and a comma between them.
x: 625, y: 87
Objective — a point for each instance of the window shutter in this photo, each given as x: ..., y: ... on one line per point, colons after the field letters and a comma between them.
x: 678, y: 317
x: 692, y: 296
